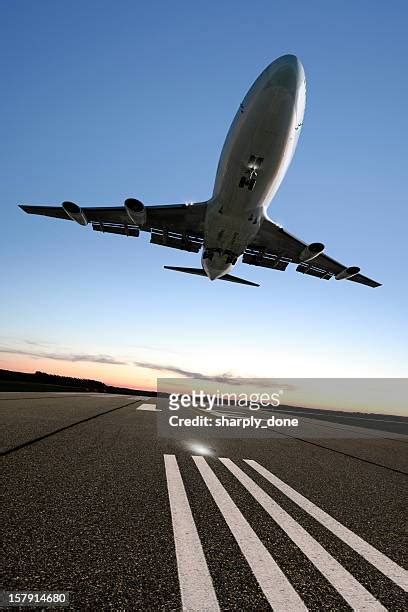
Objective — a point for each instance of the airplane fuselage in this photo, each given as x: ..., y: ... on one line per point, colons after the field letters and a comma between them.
x: 256, y: 154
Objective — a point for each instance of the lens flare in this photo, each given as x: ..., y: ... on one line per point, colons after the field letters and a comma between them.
x: 200, y: 449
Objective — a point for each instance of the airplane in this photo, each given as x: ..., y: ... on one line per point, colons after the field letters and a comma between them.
x: 233, y: 223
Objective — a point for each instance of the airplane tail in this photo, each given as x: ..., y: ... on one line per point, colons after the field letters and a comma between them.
x: 200, y: 272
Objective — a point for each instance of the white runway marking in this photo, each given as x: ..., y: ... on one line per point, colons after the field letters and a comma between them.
x: 345, y: 584
x: 276, y: 587
x: 385, y: 565
x: 148, y: 407
x: 197, y: 591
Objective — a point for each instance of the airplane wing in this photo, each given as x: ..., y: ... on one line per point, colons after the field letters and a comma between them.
x: 273, y: 247
x: 178, y: 226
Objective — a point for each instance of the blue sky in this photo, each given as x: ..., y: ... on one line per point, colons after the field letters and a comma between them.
x: 107, y: 100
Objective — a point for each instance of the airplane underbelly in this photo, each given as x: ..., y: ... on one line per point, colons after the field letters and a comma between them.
x: 235, y: 214
x: 264, y: 136
x: 253, y: 162
x: 230, y: 233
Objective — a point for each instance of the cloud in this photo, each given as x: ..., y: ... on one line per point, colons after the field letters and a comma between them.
x: 39, y: 344
x: 226, y: 377
x: 29, y: 341
x: 221, y: 378
x: 74, y: 357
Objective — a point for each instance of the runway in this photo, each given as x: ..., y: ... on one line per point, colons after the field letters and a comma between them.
x: 98, y: 505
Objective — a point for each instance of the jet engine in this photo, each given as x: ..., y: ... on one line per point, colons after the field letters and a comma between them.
x: 136, y: 211
x: 347, y: 273
x: 311, y: 251
x: 75, y: 213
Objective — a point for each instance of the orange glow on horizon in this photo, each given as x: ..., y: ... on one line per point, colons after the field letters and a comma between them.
x: 94, y: 371
x: 354, y: 396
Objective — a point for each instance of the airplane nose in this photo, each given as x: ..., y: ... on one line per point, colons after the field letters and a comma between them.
x: 213, y: 271
x: 289, y: 58
x: 287, y: 76
x: 287, y: 72
x: 216, y: 266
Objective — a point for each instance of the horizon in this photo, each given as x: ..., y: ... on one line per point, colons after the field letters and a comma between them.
x: 351, y: 398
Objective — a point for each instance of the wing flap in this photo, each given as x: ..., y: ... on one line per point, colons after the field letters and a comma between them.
x: 110, y: 228
x: 313, y: 271
x: 176, y: 241
x: 265, y: 260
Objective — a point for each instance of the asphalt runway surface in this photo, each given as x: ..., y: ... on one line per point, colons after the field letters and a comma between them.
x: 97, y: 504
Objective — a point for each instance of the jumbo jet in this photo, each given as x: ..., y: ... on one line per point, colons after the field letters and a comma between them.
x: 233, y: 223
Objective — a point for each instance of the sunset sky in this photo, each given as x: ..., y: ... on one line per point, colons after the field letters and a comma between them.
x: 107, y: 100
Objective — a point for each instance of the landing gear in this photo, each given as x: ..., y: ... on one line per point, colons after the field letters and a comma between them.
x: 255, y: 162
x: 248, y: 181
x: 249, y: 178
x: 251, y: 183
